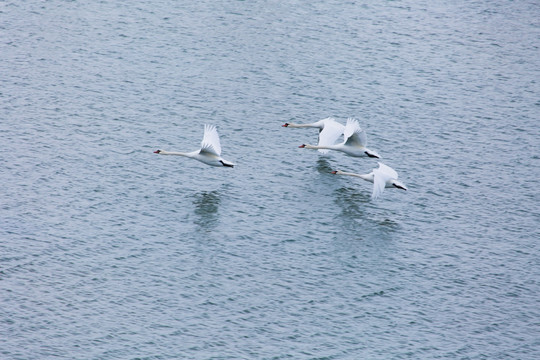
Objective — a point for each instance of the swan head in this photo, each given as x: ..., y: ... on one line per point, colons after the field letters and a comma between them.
x: 336, y: 172
x: 285, y: 125
x: 157, y: 151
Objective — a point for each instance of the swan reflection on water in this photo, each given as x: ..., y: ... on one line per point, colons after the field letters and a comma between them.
x: 357, y: 209
x: 206, y: 208
x: 323, y: 166
x: 352, y: 201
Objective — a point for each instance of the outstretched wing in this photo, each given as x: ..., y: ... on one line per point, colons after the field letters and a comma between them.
x: 388, y: 171
x: 331, y: 131
x: 210, y: 142
x: 379, y: 183
x: 381, y: 176
x: 353, y: 134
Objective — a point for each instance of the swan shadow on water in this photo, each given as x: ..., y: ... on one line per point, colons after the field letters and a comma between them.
x: 206, y: 209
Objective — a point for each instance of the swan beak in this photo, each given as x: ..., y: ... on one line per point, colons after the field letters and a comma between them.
x: 157, y: 151
x: 302, y: 146
x: 333, y: 172
x: 285, y: 125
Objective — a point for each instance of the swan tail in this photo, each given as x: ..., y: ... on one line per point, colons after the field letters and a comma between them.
x: 227, y: 163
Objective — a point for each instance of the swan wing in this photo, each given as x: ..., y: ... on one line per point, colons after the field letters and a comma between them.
x: 210, y: 142
x: 379, y: 182
x: 330, y: 133
x: 353, y: 134
x: 391, y: 173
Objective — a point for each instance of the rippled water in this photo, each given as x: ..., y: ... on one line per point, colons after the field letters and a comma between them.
x: 109, y: 251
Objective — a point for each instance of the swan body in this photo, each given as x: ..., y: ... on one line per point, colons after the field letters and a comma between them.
x: 354, y: 142
x: 329, y: 131
x: 382, y: 177
x: 210, y: 151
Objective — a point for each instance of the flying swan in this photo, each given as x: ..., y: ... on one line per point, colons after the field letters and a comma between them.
x: 329, y: 131
x: 210, y: 152
x: 354, y: 142
x: 382, y: 177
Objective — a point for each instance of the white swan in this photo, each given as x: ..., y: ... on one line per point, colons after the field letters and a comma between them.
x: 354, y: 142
x: 382, y: 177
x: 210, y: 152
x: 329, y: 131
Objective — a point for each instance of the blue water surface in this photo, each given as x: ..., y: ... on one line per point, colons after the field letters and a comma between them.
x: 109, y: 251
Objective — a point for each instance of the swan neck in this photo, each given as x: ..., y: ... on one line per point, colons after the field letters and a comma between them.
x: 367, y: 177
x: 177, y: 153
x: 293, y: 125
x: 318, y: 147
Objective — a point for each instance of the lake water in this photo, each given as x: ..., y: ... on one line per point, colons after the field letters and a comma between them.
x: 108, y: 251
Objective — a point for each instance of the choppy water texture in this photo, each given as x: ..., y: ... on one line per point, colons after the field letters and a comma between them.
x: 109, y: 251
